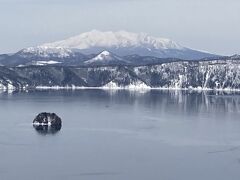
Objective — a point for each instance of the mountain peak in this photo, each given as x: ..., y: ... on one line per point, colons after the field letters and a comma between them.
x: 105, y: 57
x: 105, y: 53
x: 117, y: 39
x: 120, y: 43
x: 125, y: 43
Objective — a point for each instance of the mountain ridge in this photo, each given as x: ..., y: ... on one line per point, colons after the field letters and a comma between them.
x: 117, y: 39
x: 125, y: 43
x: 82, y: 49
x: 212, y: 74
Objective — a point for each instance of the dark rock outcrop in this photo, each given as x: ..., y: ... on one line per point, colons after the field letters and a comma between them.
x: 47, y: 119
x: 47, y: 123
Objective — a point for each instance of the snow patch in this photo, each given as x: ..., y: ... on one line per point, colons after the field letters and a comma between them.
x: 46, y: 52
x: 134, y: 85
x: 42, y: 63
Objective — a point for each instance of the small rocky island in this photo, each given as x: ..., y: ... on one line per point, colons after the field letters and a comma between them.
x: 47, y: 123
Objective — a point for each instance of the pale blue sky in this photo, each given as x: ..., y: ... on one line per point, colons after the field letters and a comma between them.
x: 210, y: 25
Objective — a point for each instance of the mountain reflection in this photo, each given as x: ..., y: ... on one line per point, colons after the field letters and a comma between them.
x: 159, y: 100
x: 193, y: 102
x: 180, y: 101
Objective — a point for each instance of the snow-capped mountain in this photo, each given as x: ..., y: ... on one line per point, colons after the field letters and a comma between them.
x: 104, y: 58
x: 125, y: 43
x: 115, y: 39
x: 125, y: 47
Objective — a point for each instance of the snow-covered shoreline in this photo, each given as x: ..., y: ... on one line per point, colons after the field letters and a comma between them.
x: 58, y: 88
x: 113, y: 86
x: 131, y: 88
x: 194, y: 76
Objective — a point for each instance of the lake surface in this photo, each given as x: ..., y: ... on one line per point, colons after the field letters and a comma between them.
x: 121, y: 135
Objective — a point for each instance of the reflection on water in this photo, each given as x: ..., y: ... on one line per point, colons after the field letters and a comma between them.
x: 184, y: 101
x: 45, y: 129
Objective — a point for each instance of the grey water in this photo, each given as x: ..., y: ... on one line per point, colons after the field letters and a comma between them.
x: 121, y: 135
